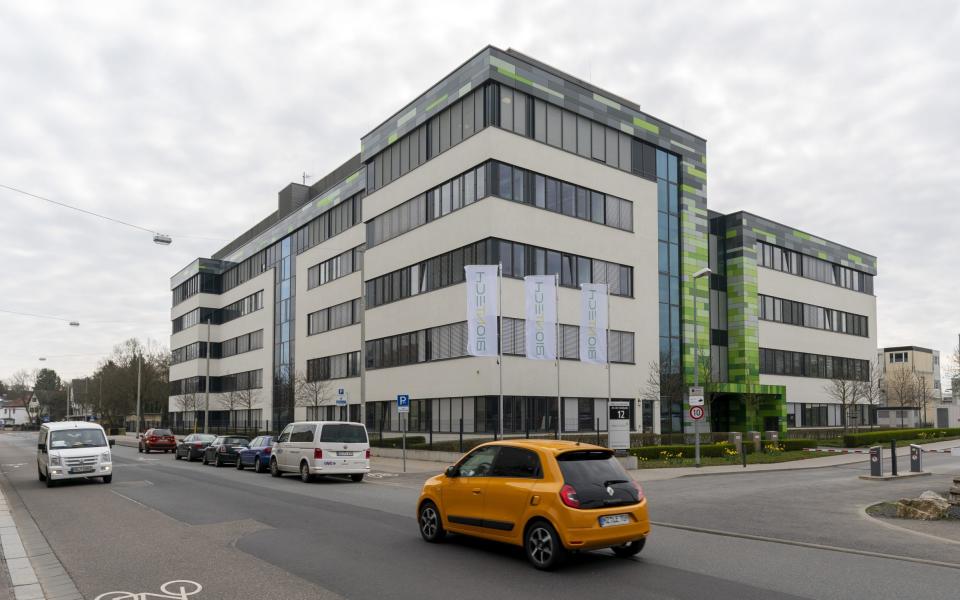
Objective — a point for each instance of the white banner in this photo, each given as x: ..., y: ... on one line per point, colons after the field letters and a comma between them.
x: 541, y: 316
x: 593, y: 323
x: 482, y: 299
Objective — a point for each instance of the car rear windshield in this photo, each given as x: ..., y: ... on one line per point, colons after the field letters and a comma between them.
x: 205, y: 437
x: 598, y: 478
x: 235, y: 441
x: 160, y: 432
x: 344, y: 434
x: 77, y: 438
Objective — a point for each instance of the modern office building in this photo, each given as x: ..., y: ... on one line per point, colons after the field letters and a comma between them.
x: 357, y: 281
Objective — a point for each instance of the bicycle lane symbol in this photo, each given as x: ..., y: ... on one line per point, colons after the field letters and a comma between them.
x: 179, y: 589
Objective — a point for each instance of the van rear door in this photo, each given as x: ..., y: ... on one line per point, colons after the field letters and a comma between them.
x: 345, y: 444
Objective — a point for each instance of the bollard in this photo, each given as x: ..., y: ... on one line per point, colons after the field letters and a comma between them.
x: 916, y: 459
x: 743, y: 456
x: 461, y: 435
x: 431, y: 436
x: 876, y: 462
x: 598, y: 432
x: 893, y: 457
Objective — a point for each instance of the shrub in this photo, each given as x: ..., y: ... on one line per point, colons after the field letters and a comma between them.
x: 671, y: 452
x: 852, y: 440
x: 397, y: 442
x: 792, y: 445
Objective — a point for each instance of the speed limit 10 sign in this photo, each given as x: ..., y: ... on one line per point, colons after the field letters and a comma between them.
x: 696, y: 413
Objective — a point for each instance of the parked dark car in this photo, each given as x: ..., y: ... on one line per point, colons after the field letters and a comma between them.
x: 257, y: 454
x: 157, y: 439
x: 192, y: 446
x: 224, y: 450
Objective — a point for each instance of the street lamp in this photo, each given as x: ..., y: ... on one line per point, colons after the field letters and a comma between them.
x: 696, y: 355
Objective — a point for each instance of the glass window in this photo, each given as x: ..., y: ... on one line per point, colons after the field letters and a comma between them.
x: 539, y: 120
x: 599, y: 141
x: 479, y: 463
x: 569, y: 131
x: 554, y: 130
x: 583, y: 203
x: 569, y: 195
x: 553, y: 195
x: 553, y: 262
x: 506, y: 108
x: 597, y: 207
x: 539, y: 191
x: 583, y: 137
x: 520, y: 113
x: 517, y: 463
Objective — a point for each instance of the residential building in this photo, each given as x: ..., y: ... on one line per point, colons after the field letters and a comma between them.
x: 13, y: 409
x: 357, y: 281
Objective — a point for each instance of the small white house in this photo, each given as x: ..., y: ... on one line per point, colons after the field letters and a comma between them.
x: 13, y: 411
x: 900, y: 417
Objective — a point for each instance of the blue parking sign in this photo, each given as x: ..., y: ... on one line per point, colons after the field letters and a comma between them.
x: 403, y: 403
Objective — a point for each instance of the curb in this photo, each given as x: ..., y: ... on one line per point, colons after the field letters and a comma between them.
x: 35, y: 571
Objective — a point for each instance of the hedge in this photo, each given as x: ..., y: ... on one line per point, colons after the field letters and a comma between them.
x: 397, y: 442
x: 852, y: 440
x: 789, y: 445
x: 653, y: 452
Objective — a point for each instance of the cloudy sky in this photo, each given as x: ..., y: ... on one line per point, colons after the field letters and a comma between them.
x: 188, y: 117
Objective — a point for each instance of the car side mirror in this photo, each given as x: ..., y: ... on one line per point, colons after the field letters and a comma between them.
x: 452, y: 471
x: 112, y: 443
x: 42, y: 448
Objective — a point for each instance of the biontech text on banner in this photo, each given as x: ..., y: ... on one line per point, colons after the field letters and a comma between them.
x: 541, y: 317
x: 593, y: 323
x: 482, y: 296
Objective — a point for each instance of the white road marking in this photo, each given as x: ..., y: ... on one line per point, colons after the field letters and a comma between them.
x: 381, y: 475
x: 178, y: 589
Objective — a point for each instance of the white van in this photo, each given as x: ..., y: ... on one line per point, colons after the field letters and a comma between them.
x: 321, y: 448
x: 73, y: 450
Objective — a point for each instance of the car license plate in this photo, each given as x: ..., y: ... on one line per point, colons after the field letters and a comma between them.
x: 613, y: 520
x: 75, y: 470
x: 344, y: 453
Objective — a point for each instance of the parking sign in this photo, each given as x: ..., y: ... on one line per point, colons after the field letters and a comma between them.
x: 403, y: 403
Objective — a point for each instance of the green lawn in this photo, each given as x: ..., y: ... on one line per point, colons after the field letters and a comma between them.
x: 752, y: 459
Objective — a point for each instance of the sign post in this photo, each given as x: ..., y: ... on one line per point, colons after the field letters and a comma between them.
x: 696, y: 403
x: 342, y: 401
x: 618, y: 425
x: 916, y: 459
x: 876, y: 462
x: 403, y: 409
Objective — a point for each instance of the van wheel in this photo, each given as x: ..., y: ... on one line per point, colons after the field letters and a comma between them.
x: 544, y: 549
x: 431, y: 527
x: 40, y: 475
x: 108, y: 478
x: 275, y: 468
x: 356, y: 477
x: 49, y: 481
x: 305, y: 475
x: 630, y: 548
x: 258, y: 465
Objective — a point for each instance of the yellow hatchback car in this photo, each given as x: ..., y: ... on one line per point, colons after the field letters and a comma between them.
x: 550, y: 497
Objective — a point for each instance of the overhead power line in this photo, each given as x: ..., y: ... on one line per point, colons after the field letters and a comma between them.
x: 26, y: 314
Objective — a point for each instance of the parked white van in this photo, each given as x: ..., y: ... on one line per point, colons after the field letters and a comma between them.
x: 73, y: 450
x: 321, y: 448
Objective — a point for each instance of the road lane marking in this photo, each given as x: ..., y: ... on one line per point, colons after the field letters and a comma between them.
x: 178, y: 589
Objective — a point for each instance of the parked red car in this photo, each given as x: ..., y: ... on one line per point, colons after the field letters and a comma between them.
x: 157, y: 439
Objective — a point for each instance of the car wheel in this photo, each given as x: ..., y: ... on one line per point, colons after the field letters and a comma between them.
x: 218, y: 461
x: 146, y: 450
x: 630, y: 548
x: 275, y: 468
x: 258, y: 465
x: 542, y: 544
x: 305, y: 475
x: 40, y: 474
x: 190, y: 457
x: 204, y: 459
x: 140, y: 448
x: 176, y: 455
x: 239, y: 464
x: 431, y: 527
x: 356, y: 477
x: 108, y: 478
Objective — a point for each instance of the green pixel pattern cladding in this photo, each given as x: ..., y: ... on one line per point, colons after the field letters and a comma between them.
x: 694, y: 256
x: 743, y: 316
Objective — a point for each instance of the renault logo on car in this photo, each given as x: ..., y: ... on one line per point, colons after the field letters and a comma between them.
x: 609, y: 490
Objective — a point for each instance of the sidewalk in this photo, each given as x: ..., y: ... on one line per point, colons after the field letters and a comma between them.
x: 807, y: 463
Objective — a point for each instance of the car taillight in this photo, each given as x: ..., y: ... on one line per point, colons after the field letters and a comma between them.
x: 368, y: 454
x: 267, y: 450
x: 198, y: 444
x: 568, y: 496
x: 639, y: 490
x: 317, y: 453
x: 152, y: 438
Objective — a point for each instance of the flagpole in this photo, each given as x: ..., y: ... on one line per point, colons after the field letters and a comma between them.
x: 609, y: 366
x: 556, y: 289
x: 500, y: 343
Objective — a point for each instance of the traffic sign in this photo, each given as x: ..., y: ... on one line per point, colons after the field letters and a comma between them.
x: 618, y: 425
x: 403, y: 403
x: 696, y: 396
x: 696, y: 413
x: 341, y: 397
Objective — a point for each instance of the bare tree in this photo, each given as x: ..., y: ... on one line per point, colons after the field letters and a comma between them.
x: 845, y: 392
x: 899, y: 384
x: 230, y: 401
x: 21, y: 381
x: 188, y: 402
x: 311, y: 394
x: 246, y: 400
x: 922, y: 394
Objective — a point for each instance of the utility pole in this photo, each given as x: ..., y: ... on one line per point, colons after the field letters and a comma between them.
x: 206, y: 387
x: 139, y: 363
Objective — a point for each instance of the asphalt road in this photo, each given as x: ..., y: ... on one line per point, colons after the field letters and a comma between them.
x: 243, y: 535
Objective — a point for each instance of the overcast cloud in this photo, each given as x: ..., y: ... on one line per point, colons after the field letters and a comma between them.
x: 841, y: 119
